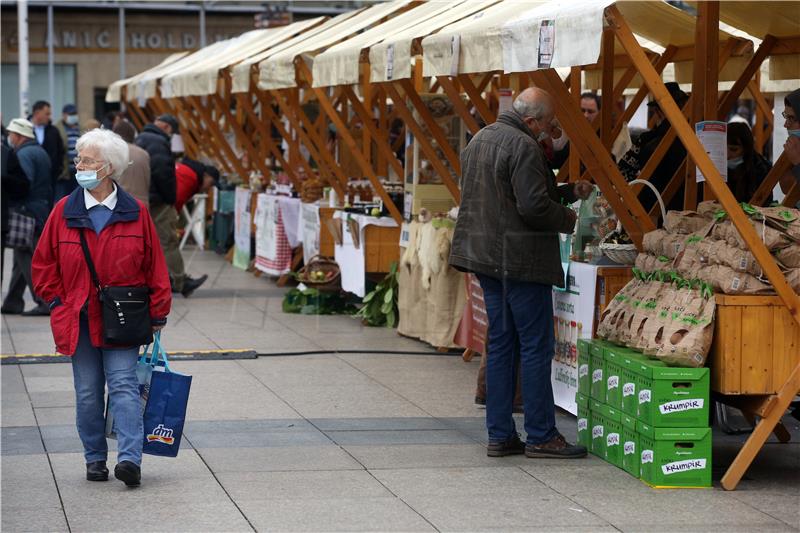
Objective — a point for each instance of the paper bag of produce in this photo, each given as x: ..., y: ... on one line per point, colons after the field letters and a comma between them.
x: 691, y: 333
x: 613, y: 316
x: 646, y: 310
x: 771, y: 237
x: 783, y: 218
x: 684, y: 222
x: 709, y: 209
x: 726, y: 280
x: 652, y: 241
x: 673, y: 302
x: 789, y: 256
x: 793, y: 278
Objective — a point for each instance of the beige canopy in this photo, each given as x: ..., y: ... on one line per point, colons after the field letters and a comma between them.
x: 113, y: 94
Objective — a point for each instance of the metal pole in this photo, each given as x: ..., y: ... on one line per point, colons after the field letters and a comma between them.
x: 51, y: 66
x: 122, y: 73
x: 202, y: 24
x: 22, y: 56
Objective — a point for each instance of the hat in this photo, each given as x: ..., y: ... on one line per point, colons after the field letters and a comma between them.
x: 675, y: 92
x: 169, y: 119
x: 22, y: 127
x: 213, y: 172
x: 70, y: 109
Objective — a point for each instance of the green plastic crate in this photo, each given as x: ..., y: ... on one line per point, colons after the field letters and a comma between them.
x: 584, y: 418
x: 612, y: 372
x: 612, y: 426
x: 628, y: 383
x: 675, y: 457
x: 672, y: 397
x: 597, y: 389
x: 584, y: 379
x: 631, y: 458
x: 597, y: 424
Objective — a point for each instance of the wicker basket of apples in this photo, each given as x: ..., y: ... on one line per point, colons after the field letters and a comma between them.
x: 322, y: 273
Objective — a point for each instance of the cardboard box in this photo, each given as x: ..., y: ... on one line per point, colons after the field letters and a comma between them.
x: 631, y: 458
x: 673, y: 397
x: 597, y: 425
x: 584, y: 418
x: 612, y: 426
x: 675, y: 457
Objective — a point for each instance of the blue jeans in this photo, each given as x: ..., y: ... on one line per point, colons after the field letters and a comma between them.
x: 520, y: 326
x: 92, y: 368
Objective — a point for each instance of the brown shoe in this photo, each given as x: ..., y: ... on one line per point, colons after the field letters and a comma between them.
x: 514, y: 446
x: 556, y: 448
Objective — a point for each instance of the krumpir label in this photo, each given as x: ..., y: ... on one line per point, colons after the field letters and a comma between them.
x: 683, y: 466
x: 647, y: 456
x: 597, y: 375
x: 680, y: 406
x: 583, y: 424
x: 612, y: 382
x: 629, y: 447
x: 583, y: 371
x: 628, y: 389
x: 597, y: 432
x: 612, y: 439
x: 644, y: 396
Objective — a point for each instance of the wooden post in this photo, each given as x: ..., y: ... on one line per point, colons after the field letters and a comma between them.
x: 461, y: 108
x: 477, y: 100
x: 747, y: 74
x: 574, y: 162
x: 781, y: 167
x: 213, y: 127
x: 606, y: 126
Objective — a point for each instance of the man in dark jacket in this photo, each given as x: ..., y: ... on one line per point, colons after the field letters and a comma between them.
x: 36, y: 204
x: 155, y: 140
x: 507, y: 234
x: 48, y: 138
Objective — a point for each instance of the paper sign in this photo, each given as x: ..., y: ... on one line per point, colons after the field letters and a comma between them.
x: 713, y: 135
x: 455, y: 54
x: 505, y: 100
x: 547, y: 43
x: 390, y: 61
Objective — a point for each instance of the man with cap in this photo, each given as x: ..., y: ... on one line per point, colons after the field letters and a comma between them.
x: 36, y: 204
x: 636, y: 158
x: 48, y: 138
x: 69, y: 128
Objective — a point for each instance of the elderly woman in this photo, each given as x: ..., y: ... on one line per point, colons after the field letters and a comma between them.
x: 125, y: 250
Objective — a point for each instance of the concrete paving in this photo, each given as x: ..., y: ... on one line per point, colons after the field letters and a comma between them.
x: 336, y: 442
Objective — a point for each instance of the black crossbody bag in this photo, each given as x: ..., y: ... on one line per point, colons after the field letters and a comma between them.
x: 125, y: 310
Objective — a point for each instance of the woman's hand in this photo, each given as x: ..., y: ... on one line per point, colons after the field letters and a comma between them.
x: 583, y: 189
x: 158, y: 328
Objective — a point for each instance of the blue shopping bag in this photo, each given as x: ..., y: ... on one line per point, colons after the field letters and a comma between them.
x: 148, y: 361
x: 165, y: 410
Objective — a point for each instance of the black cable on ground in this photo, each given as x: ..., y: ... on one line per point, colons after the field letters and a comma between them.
x: 362, y: 352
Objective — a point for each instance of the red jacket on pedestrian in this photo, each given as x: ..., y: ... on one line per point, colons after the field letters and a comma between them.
x: 127, y: 252
x: 188, y: 179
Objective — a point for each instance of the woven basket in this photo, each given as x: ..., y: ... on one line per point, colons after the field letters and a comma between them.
x: 324, y: 264
x: 624, y: 254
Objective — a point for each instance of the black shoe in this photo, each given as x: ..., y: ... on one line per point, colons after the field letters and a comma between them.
x: 480, y: 401
x: 39, y: 310
x: 8, y: 310
x: 510, y: 447
x: 96, y: 471
x: 128, y: 473
x: 192, y: 284
x: 556, y: 448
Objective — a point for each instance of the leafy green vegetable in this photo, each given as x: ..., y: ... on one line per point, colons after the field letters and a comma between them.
x: 380, y: 305
x: 313, y: 302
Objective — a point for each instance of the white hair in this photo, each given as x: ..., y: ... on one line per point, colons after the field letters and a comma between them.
x: 537, y: 108
x: 111, y: 146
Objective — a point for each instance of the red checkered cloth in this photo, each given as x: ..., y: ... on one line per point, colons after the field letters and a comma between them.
x: 282, y: 262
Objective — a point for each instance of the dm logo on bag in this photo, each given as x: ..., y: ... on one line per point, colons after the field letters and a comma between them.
x: 161, y: 434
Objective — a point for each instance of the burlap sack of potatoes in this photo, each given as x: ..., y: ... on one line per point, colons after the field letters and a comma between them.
x: 772, y: 238
x: 789, y: 256
x: 684, y: 222
x: 724, y: 279
x: 689, y: 344
x: 722, y: 253
x: 612, y: 310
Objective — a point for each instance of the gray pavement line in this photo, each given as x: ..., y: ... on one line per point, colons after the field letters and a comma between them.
x: 8, y: 334
x: 734, y: 495
x: 199, y: 331
x: 214, y: 475
x: 570, y: 499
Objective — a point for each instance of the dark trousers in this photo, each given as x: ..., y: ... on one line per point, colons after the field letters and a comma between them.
x: 21, y: 278
x: 520, y: 314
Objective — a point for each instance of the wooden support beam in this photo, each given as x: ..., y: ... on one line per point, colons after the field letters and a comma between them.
x: 706, y: 166
x: 460, y: 107
x: 606, y: 118
x: 574, y: 162
x: 305, y: 73
x: 598, y: 160
x: 793, y: 196
x: 781, y: 167
x: 189, y: 139
x: 747, y: 74
x: 669, y: 192
x: 477, y: 100
x: 421, y: 137
x: 212, y: 126
x: 205, y: 141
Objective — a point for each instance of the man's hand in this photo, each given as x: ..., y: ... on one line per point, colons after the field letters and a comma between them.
x: 572, y: 216
x: 583, y: 189
x: 158, y: 328
x: 792, y: 149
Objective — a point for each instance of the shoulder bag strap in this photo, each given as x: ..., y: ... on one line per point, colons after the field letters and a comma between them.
x: 89, y: 262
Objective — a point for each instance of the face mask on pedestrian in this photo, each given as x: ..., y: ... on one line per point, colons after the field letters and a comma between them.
x: 794, y: 133
x: 88, y: 178
x: 735, y: 162
x: 72, y: 120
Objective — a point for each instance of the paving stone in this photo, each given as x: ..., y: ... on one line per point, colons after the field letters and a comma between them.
x: 278, y: 459
x: 387, y: 438
x: 319, y: 485
x: 378, y: 424
x: 15, y: 416
x: 362, y: 514
x: 55, y: 416
x: 257, y: 439
x: 427, y: 456
x: 32, y: 519
x: 21, y: 441
x: 53, y: 399
x: 11, y: 378
x: 441, y: 482
x: 69, y: 468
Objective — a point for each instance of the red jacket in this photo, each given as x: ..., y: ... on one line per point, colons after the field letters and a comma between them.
x: 187, y: 184
x: 127, y: 252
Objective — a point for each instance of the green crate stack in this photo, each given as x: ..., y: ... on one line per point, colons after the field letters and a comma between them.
x: 644, y: 417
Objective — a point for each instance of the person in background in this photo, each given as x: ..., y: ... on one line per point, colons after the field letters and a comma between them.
x: 746, y: 168
x: 69, y: 128
x: 632, y: 163
x: 48, y: 138
x: 791, y: 117
x: 91, y: 124
x: 506, y: 233
x: 136, y: 178
x: 191, y: 177
x: 15, y: 187
x: 122, y: 243
x: 36, y: 204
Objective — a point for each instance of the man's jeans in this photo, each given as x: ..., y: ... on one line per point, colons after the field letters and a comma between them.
x: 92, y: 368
x: 520, y: 325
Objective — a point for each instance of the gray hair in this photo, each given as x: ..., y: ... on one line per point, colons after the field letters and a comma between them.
x: 113, y: 148
x: 537, y: 108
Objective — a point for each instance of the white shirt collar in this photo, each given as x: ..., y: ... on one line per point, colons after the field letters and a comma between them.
x: 110, y: 201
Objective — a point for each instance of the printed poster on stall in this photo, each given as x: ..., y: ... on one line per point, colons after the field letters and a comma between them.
x: 241, y: 225
x: 713, y: 135
x: 573, y: 315
x: 472, y: 329
x: 310, y: 224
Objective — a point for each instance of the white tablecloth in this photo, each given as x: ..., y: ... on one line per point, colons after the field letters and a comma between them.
x: 352, y: 260
x: 290, y: 212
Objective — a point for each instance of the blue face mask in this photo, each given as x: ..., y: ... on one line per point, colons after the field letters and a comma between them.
x: 794, y: 133
x: 735, y: 162
x: 88, y: 179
